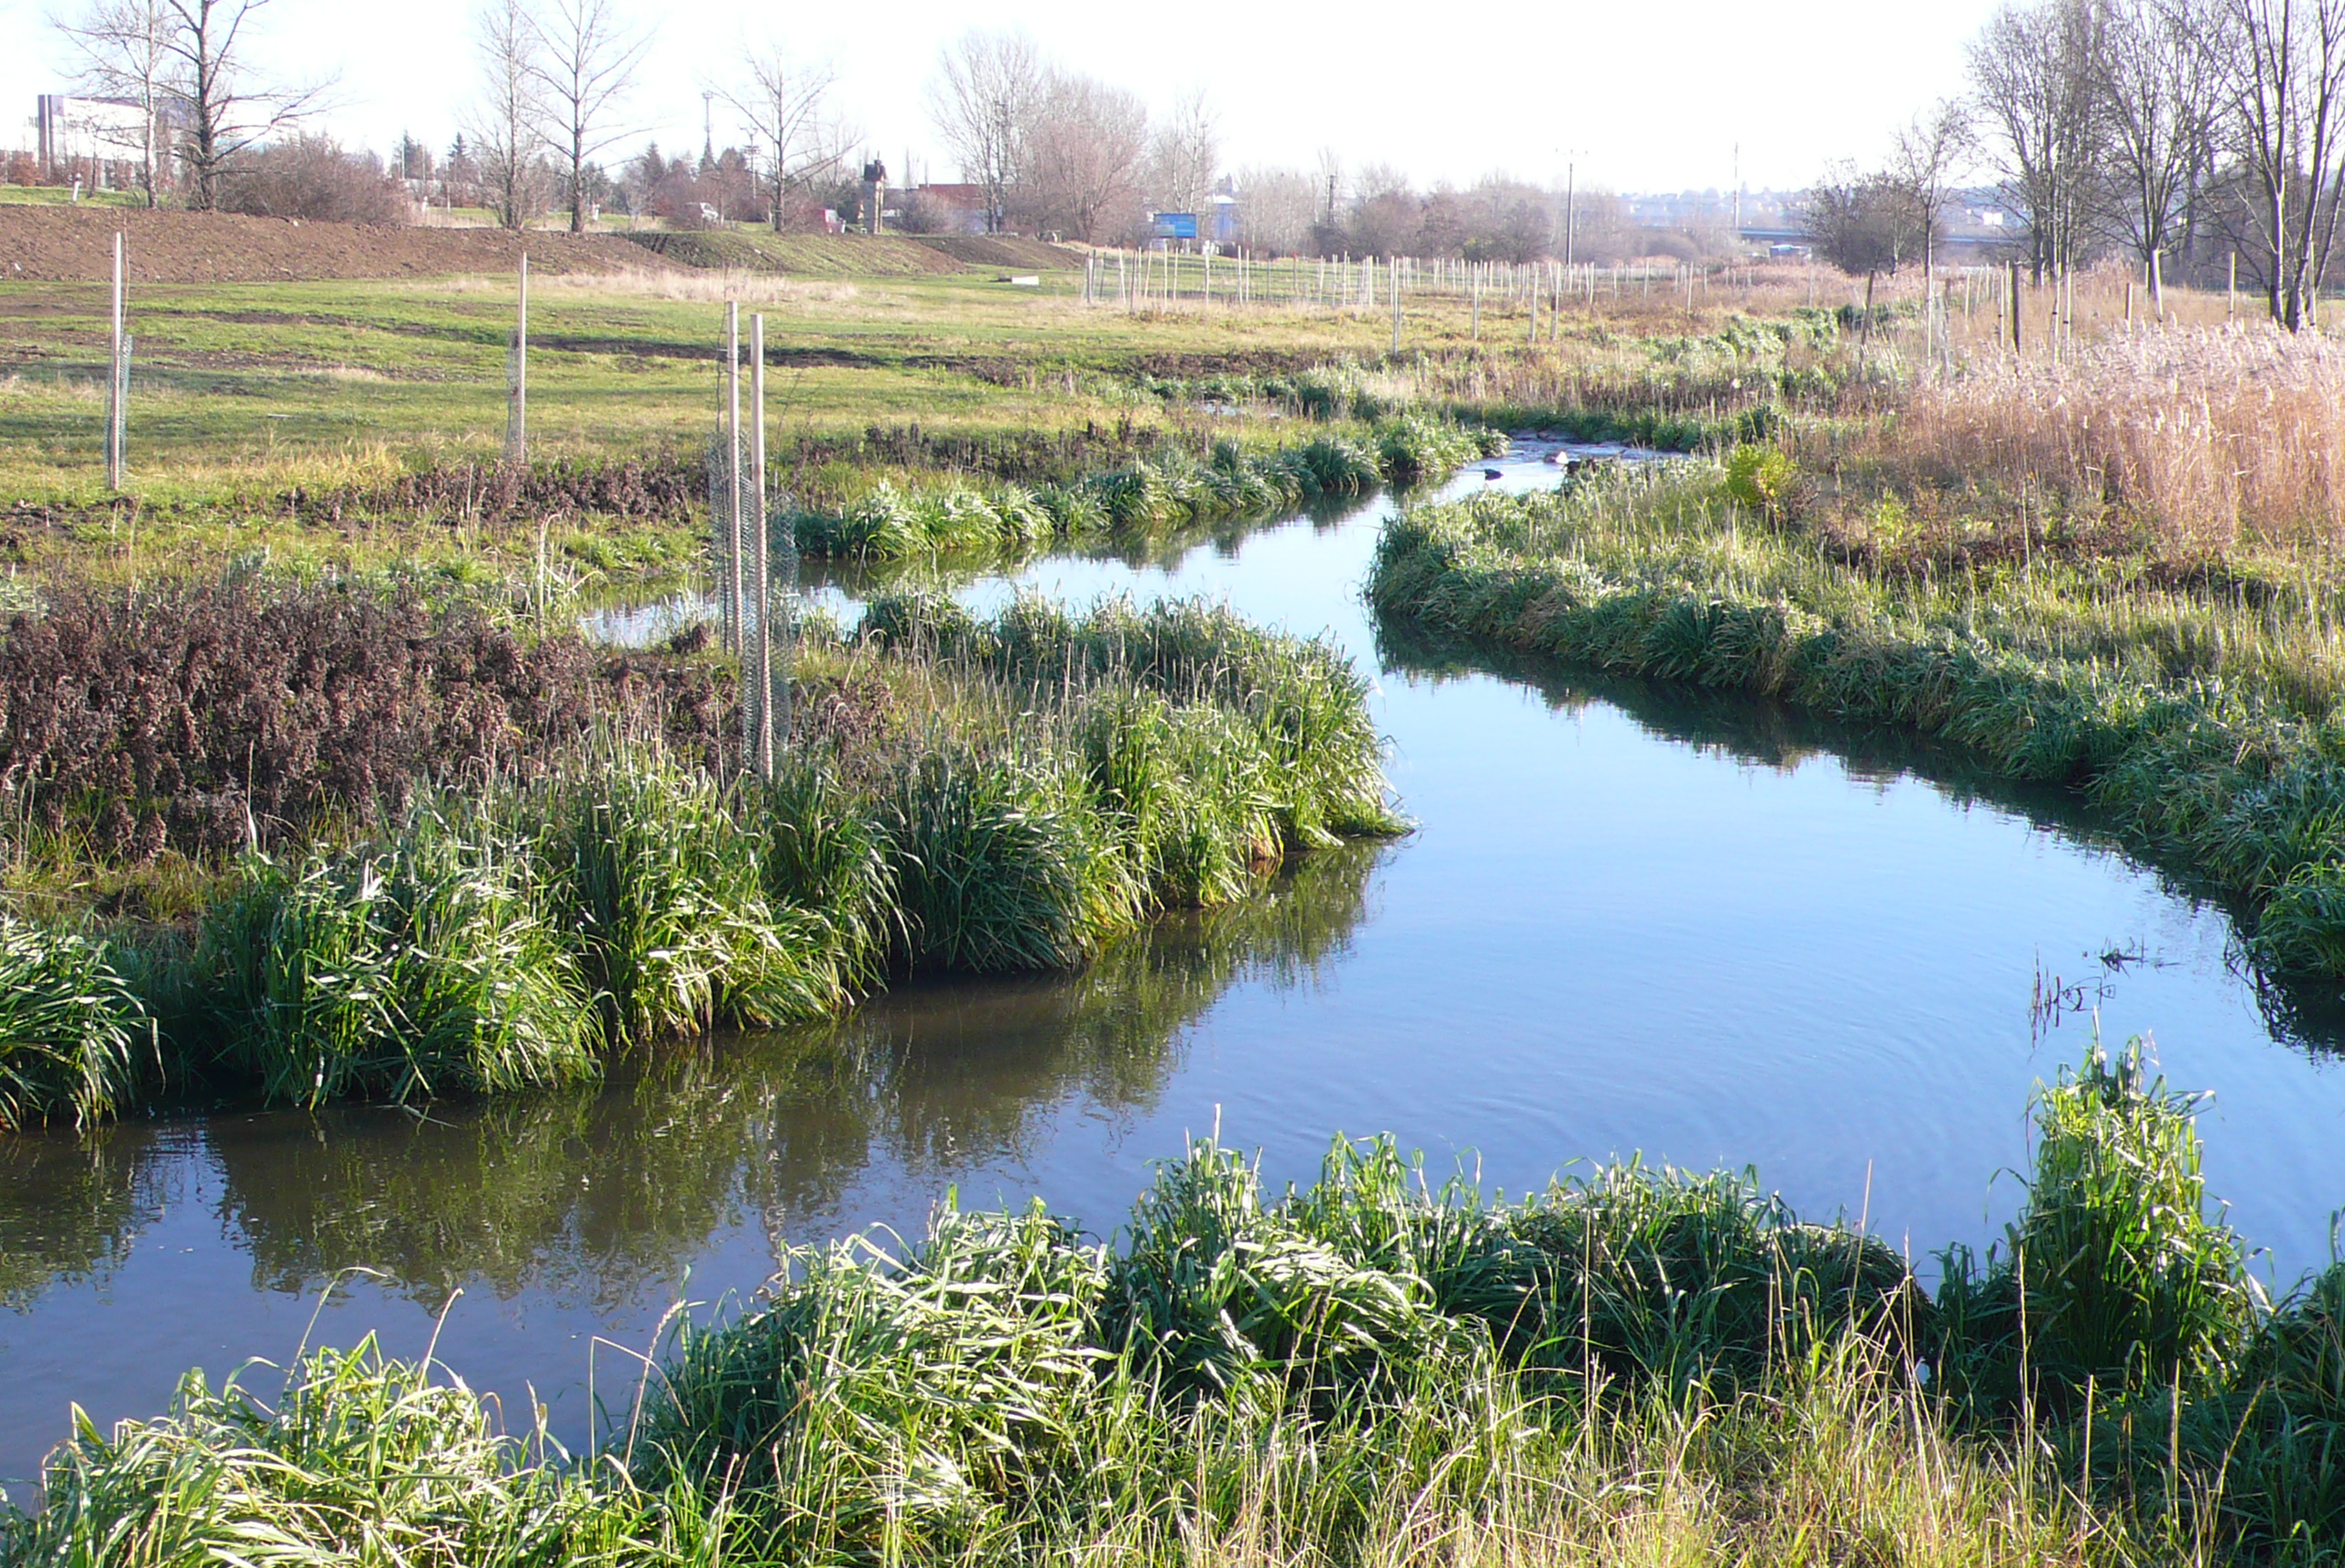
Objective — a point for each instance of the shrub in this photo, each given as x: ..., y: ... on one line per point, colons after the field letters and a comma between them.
x: 1760, y: 477
x: 75, y: 1043
x: 206, y: 716
x: 312, y: 177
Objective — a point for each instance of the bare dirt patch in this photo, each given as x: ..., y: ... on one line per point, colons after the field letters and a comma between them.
x: 58, y: 245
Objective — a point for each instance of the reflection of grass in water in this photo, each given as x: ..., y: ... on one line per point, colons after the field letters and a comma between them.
x: 960, y: 1072
x: 600, y: 1195
x: 1165, y: 550
x: 71, y: 1208
x: 2307, y: 1013
x: 594, y: 1194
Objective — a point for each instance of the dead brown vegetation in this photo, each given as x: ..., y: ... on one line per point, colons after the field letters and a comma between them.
x: 202, y: 716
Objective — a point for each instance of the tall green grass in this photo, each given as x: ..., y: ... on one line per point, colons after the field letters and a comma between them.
x: 1641, y: 1364
x: 1003, y: 864
x: 823, y: 853
x: 2114, y: 1279
x: 1304, y: 703
x: 358, y: 1460
x: 76, y: 1042
x: 662, y: 887
x: 887, y: 522
x: 425, y: 966
x: 2205, y: 720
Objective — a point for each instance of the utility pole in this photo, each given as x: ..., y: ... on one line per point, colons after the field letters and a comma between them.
x: 707, y: 127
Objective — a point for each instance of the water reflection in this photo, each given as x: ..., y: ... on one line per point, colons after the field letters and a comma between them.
x: 2306, y: 1014
x: 841, y: 585
x: 70, y: 1208
x: 602, y: 1196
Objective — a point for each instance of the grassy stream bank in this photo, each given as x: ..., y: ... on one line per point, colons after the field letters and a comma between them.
x: 2198, y: 708
x: 962, y: 795
x: 1637, y: 1365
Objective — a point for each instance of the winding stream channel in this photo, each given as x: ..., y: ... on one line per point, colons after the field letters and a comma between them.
x: 1702, y: 929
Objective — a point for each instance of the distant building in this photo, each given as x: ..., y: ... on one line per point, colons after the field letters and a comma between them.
x: 87, y: 134
x: 1225, y: 214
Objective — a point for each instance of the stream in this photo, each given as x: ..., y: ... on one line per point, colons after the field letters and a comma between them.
x: 1700, y: 930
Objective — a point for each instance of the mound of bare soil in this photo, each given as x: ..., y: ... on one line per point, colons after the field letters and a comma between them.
x: 852, y: 255
x: 795, y: 256
x: 1002, y: 251
x: 76, y: 245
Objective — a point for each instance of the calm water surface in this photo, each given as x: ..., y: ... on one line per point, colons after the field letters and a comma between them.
x: 1708, y: 933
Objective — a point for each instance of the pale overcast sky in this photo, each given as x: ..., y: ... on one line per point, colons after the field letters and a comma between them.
x: 1650, y: 96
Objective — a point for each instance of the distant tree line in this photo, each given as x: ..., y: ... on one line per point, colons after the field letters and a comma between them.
x: 1050, y: 150
x: 1040, y: 147
x: 2186, y: 134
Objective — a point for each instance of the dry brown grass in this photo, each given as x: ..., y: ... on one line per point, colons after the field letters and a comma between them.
x: 2207, y: 437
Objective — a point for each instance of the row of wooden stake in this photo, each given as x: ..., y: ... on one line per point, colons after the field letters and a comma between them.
x: 745, y: 543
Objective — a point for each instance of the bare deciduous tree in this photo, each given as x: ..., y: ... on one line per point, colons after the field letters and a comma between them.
x: 586, y: 60
x: 1277, y: 208
x: 226, y: 107
x: 786, y: 110
x: 1924, y: 163
x: 506, y: 144
x: 2286, y: 102
x: 1083, y: 156
x: 2038, y: 80
x: 1186, y: 155
x: 983, y: 101
x: 122, y: 50
x: 2159, y: 85
x: 1865, y: 224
